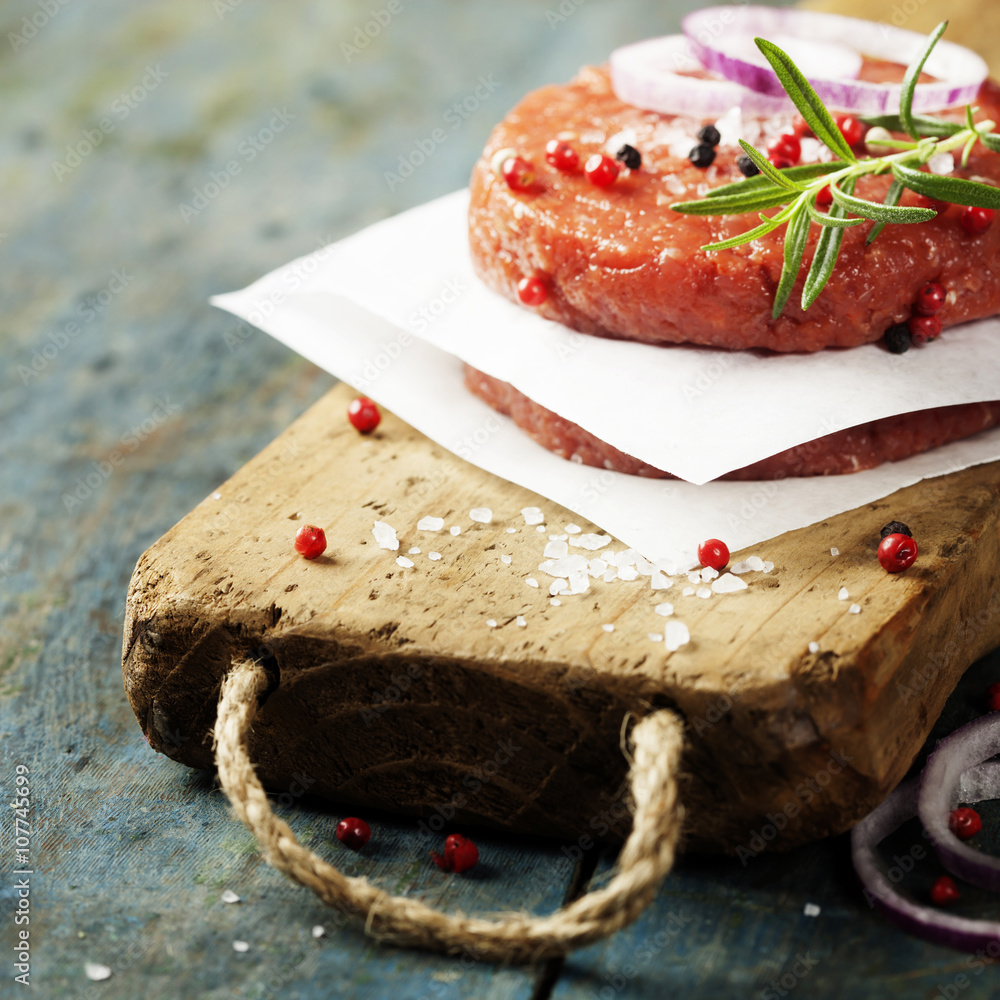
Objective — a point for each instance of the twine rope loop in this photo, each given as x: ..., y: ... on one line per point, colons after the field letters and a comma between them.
x: 646, y: 857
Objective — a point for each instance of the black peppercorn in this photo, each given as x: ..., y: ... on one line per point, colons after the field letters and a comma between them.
x: 702, y: 156
x: 630, y: 156
x: 895, y: 528
x: 709, y: 135
x: 747, y: 167
x: 897, y: 339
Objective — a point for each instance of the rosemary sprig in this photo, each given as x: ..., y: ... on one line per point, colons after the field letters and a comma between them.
x: 794, y: 189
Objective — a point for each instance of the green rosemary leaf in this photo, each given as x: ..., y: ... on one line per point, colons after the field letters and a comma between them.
x: 967, y: 151
x: 827, y: 251
x: 892, y: 197
x: 879, y: 211
x: 951, y: 189
x: 797, y: 174
x: 796, y: 236
x: 970, y: 122
x: 825, y: 219
x: 752, y: 201
x: 991, y: 142
x: 806, y: 100
x: 931, y: 127
x: 910, y: 81
x: 765, y: 167
x: 746, y: 237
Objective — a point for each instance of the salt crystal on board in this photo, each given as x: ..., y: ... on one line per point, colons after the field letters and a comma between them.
x: 430, y: 523
x: 385, y: 535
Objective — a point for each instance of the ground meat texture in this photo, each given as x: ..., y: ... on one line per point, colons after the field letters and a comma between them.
x: 619, y: 262
x: 863, y: 447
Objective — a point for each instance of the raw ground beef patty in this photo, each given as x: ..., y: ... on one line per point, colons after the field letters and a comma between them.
x: 851, y: 450
x: 619, y: 262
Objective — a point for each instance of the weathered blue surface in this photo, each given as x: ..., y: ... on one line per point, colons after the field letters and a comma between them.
x: 117, y: 372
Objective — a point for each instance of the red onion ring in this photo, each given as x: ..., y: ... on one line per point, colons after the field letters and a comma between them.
x: 926, y: 922
x: 712, y: 32
x: 648, y: 74
x: 942, y: 788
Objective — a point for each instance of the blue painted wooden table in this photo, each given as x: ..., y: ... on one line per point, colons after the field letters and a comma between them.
x: 151, y: 156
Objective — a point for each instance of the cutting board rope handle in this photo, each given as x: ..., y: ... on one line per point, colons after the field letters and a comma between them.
x: 646, y: 858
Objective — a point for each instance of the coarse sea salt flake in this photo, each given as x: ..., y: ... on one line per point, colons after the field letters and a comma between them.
x: 531, y: 581
x: 96, y: 972
x: 512, y: 531
x: 430, y: 524
x: 520, y: 622
x: 241, y: 946
x: 564, y: 566
x: 491, y: 622
x: 434, y: 555
x: 505, y: 559
x: 590, y: 541
x: 228, y: 896
x: 482, y: 515
x: 728, y: 584
x: 608, y: 628
x: 811, y: 910
x: 318, y: 931
x: 660, y: 582
x: 611, y: 573
x: 579, y: 582
x: 532, y: 515
x: 572, y: 529
x: 415, y: 551
x: 404, y: 562
x: 654, y: 636
x: 756, y: 563
x: 627, y: 573
x: 540, y: 528
x: 556, y: 549
x: 557, y: 586
x: 708, y: 574
x: 555, y: 602
x: 666, y: 608
x: 597, y: 567
x: 740, y: 567
x: 688, y: 591
x: 833, y: 552
x: 842, y: 594
x: 675, y: 635
x: 814, y: 647
x: 767, y: 567
x: 385, y: 535
x: 704, y: 593
x: 941, y: 164
x: 854, y: 609
x: 694, y: 576
x: 456, y: 529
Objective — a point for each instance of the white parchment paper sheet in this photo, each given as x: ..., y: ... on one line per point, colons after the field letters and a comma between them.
x: 663, y: 519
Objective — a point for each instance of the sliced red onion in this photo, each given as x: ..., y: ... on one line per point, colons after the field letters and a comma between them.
x: 718, y: 37
x: 941, y: 789
x: 926, y: 922
x: 649, y: 75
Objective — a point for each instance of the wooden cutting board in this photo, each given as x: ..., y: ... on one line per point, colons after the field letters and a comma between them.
x: 416, y: 690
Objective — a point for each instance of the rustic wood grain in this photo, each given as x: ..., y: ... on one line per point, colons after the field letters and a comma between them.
x: 546, y: 701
